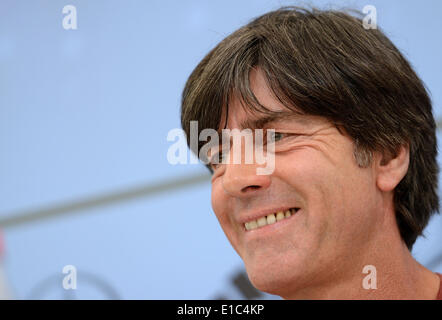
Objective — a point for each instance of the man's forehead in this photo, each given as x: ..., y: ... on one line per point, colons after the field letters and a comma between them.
x: 240, y: 114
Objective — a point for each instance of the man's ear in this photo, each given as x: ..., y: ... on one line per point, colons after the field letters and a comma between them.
x: 390, y: 170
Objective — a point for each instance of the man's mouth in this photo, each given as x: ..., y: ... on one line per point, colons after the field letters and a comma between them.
x: 270, y: 219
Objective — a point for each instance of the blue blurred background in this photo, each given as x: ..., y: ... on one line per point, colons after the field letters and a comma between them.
x: 84, y: 116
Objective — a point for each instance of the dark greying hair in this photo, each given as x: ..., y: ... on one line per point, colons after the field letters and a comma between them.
x: 323, y: 62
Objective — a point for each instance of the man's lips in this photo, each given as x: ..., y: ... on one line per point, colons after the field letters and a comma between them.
x: 267, y: 217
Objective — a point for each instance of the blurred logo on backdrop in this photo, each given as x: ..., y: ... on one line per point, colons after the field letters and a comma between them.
x: 72, y: 284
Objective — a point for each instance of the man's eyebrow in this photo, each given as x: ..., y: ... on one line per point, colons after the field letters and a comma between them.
x: 261, y: 122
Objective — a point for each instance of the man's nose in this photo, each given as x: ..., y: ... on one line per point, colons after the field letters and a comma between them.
x: 242, y: 180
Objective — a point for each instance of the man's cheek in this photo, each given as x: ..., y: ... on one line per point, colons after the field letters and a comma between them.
x: 220, y: 208
x: 215, y: 199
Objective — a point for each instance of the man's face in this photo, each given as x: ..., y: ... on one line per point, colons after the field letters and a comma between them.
x: 336, y: 202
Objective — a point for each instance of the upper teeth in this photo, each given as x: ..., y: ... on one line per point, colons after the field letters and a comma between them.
x: 270, y: 219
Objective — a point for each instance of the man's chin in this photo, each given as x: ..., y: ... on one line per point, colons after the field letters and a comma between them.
x: 276, y: 282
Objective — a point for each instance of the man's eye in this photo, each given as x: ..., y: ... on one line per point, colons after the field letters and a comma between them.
x: 276, y: 136
x: 217, y: 159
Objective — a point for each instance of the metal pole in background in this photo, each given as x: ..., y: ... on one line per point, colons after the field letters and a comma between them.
x: 28, y: 216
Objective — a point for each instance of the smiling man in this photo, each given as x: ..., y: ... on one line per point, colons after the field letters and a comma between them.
x: 355, y: 176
